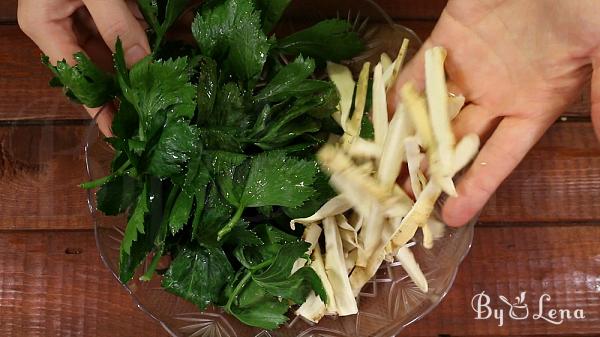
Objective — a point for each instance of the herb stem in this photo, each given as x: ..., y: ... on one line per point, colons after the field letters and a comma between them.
x: 99, y: 182
x: 148, y: 274
x: 231, y: 224
x: 237, y: 290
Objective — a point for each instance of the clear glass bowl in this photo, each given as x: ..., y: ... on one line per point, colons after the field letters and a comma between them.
x: 386, y: 305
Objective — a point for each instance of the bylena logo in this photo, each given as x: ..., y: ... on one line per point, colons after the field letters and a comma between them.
x: 519, y: 309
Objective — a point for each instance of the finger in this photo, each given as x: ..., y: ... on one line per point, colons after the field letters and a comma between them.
x: 596, y: 98
x: 505, y: 149
x: 474, y: 119
x: 115, y: 20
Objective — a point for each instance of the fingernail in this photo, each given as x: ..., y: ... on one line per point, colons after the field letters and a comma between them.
x: 134, y: 54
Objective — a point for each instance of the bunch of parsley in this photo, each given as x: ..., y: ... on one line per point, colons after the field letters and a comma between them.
x: 215, y: 147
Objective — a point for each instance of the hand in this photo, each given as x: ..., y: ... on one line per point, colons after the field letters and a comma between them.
x: 519, y: 63
x: 62, y: 28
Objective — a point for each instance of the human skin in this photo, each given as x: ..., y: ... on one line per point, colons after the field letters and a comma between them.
x: 519, y: 63
x: 62, y: 28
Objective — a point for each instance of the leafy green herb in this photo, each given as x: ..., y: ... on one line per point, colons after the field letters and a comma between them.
x: 331, y: 40
x: 214, y: 152
x: 84, y: 82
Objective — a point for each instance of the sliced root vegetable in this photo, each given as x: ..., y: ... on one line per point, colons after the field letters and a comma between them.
x: 311, y: 235
x: 386, y: 61
x: 392, y: 156
x: 437, y: 100
x: 417, y: 216
x: 318, y: 265
x: 342, y: 78
x: 455, y: 105
x: 361, y: 275
x: 354, y: 125
x: 410, y: 265
x: 370, y: 235
x: 465, y: 151
x: 396, y: 207
x: 335, y: 267
x: 347, y: 234
x: 351, y: 260
x: 313, y: 309
x: 380, y: 114
x: 413, y: 158
x: 334, y: 206
x: 433, y: 229
x: 391, y: 74
x: 361, y: 148
x: 417, y: 110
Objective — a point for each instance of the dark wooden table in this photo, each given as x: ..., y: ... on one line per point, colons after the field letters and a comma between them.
x: 539, y: 234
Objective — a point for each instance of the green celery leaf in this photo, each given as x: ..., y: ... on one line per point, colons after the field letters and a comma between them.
x: 161, y: 15
x: 225, y: 139
x: 231, y: 32
x: 229, y: 108
x: 278, y: 180
x: 278, y: 281
x: 116, y: 196
x: 217, y: 211
x: 287, y: 80
x: 323, y: 192
x: 180, y: 213
x: 198, y: 275
x: 178, y: 142
x: 329, y: 40
x: 366, y: 129
x: 271, y: 11
x: 207, y: 89
x: 136, y: 221
x: 159, y: 87
x: 84, y: 82
x: 269, y: 314
x: 125, y: 122
x: 241, y: 236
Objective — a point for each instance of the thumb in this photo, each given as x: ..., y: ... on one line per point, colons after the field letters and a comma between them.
x: 114, y: 19
x: 596, y: 97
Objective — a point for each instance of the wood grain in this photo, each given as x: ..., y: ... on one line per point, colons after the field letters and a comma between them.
x: 562, y: 261
x: 405, y: 9
x: 558, y: 181
x: 40, y: 168
x: 54, y: 284
x: 24, y: 80
x: 47, y: 292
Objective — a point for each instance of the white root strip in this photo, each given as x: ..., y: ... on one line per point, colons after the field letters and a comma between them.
x: 393, y: 151
x: 417, y: 110
x: 412, y: 268
x: 335, y: 267
x: 354, y: 125
x: 342, y: 78
x: 361, y: 148
x: 414, y: 158
x: 337, y: 205
x: 391, y: 74
x: 380, y: 114
x: 437, y: 100
x: 386, y: 61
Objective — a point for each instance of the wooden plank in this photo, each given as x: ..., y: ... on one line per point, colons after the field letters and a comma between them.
x: 46, y: 292
x: 24, y: 82
x: 558, y: 181
x: 54, y: 284
x: 405, y: 9
x: 560, y: 261
x: 40, y: 167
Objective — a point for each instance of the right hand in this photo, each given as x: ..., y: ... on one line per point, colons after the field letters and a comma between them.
x: 62, y: 28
